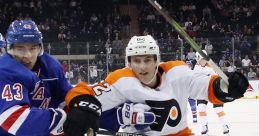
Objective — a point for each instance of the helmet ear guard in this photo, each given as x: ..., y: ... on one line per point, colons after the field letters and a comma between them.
x: 23, y: 31
x: 142, y: 45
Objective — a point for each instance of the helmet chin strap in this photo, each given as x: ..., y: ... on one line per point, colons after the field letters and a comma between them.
x: 154, y: 76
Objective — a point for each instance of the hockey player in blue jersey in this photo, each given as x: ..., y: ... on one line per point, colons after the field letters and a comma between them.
x: 32, y: 85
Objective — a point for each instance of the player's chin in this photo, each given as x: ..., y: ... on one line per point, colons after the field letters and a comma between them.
x: 28, y: 65
x: 145, y: 80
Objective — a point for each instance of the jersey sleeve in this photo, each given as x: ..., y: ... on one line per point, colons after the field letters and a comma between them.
x: 55, y: 70
x: 192, y: 84
x: 25, y: 120
x: 17, y: 117
x: 202, y: 87
x: 63, y: 85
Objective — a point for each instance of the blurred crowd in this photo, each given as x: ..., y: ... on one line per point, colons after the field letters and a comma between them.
x: 226, y: 29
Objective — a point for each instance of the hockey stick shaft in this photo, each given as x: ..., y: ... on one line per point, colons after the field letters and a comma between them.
x: 182, y: 32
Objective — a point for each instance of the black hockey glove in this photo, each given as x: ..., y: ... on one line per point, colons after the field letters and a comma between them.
x: 83, y: 114
x: 238, y: 85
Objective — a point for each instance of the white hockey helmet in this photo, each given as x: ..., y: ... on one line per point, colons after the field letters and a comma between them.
x: 142, y: 45
x: 198, y: 56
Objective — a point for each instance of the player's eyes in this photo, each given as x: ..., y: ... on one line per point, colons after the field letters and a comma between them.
x: 19, y: 48
x: 33, y: 48
x: 136, y: 61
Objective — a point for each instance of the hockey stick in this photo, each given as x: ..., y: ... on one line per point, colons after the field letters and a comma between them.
x: 194, y: 45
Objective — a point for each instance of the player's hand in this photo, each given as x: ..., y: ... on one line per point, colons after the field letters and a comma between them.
x: 238, y: 85
x: 135, y: 114
x: 83, y: 114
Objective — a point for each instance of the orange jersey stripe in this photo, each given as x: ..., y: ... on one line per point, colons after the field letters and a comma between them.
x: 79, y: 89
x: 184, y: 132
x: 212, y: 98
x: 114, y: 76
x: 170, y: 64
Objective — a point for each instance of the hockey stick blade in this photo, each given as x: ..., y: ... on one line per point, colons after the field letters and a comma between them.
x: 194, y: 45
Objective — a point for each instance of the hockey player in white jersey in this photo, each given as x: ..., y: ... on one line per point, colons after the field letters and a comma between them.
x: 163, y: 87
x: 202, y: 67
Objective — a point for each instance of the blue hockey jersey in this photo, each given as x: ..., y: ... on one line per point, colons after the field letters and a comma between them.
x: 27, y: 95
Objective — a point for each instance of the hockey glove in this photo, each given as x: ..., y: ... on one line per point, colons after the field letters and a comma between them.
x: 238, y: 85
x: 135, y: 114
x: 83, y: 114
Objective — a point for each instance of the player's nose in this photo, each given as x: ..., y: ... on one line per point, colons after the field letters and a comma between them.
x: 142, y: 65
x: 27, y: 54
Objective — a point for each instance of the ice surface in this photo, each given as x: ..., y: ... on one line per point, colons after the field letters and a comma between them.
x: 242, y: 115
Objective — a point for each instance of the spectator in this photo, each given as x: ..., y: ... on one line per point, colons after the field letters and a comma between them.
x: 178, y: 55
x: 208, y: 47
x: 62, y: 36
x: 251, y: 74
x: 70, y: 36
x: 222, y: 61
x: 65, y: 66
x: 246, y: 62
x: 254, y: 61
x: 227, y: 53
x: 191, y: 54
x: 237, y: 53
x: 116, y: 45
x: 238, y: 62
x: 245, y: 46
x: 231, y: 67
x: 69, y: 75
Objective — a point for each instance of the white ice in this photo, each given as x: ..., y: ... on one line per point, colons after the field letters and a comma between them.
x: 242, y: 116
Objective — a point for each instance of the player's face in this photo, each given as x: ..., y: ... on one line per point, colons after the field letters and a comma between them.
x: 26, y: 53
x: 144, y: 67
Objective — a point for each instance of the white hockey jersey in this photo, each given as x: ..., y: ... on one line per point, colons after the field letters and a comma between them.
x: 207, y: 70
x: 168, y: 101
